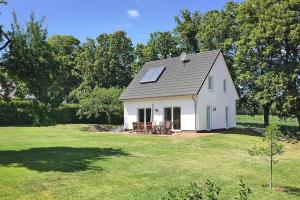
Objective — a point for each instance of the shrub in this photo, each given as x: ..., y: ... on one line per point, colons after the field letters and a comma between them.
x: 209, y: 191
x: 25, y: 112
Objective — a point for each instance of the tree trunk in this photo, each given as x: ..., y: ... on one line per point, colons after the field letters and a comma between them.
x: 298, y: 118
x: 108, y: 115
x: 266, y: 115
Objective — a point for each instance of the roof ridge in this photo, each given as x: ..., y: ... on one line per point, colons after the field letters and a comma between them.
x: 187, y: 55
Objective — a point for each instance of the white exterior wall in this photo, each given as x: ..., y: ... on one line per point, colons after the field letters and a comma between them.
x: 186, y: 103
x: 217, y: 98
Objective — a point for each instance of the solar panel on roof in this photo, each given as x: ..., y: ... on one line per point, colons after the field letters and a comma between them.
x: 152, y: 74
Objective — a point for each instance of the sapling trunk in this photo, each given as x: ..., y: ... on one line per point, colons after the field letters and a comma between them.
x: 271, y: 164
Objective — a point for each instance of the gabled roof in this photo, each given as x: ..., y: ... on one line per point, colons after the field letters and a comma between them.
x: 178, y: 78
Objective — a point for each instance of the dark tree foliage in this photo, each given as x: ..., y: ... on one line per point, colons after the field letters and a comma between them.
x: 65, y: 49
x: 30, y: 60
x: 187, y: 29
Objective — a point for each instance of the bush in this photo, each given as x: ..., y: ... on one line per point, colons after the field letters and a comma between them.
x: 25, y: 112
x: 209, y: 191
x: 194, y: 192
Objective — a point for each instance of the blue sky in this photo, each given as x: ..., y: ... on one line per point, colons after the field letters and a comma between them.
x: 89, y: 18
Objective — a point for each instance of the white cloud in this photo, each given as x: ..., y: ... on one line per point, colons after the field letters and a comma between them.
x: 133, y: 13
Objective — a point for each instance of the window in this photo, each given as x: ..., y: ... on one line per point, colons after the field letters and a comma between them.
x: 210, y: 83
x: 225, y: 85
x: 152, y: 74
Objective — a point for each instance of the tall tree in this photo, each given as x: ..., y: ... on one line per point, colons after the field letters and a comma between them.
x: 85, y: 70
x: 30, y: 60
x: 104, y: 63
x: 282, y: 21
x: 266, y: 49
x: 113, y: 59
x: 4, y: 36
x: 161, y: 45
x: 139, y: 58
x: 218, y: 30
x: 65, y: 50
x: 187, y: 29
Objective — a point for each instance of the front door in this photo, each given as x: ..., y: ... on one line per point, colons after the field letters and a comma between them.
x: 208, y: 117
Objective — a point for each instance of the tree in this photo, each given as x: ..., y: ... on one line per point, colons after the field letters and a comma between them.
x: 4, y: 36
x: 260, y: 72
x: 187, y: 29
x: 218, y: 30
x: 139, y: 58
x: 273, y: 148
x: 268, y: 54
x: 113, y: 59
x: 101, y: 100
x: 105, y: 62
x: 65, y: 51
x: 6, y: 84
x: 161, y: 45
x: 282, y: 22
x: 85, y: 70
x: 30, y: 60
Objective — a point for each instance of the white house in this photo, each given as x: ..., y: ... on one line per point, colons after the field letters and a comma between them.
x: 195, y: 92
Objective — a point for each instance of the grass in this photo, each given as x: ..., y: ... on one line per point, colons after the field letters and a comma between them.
x: 62, y: 162
x: 257, y: 121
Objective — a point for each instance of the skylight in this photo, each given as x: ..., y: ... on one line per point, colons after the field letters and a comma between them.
x: 152, y: 74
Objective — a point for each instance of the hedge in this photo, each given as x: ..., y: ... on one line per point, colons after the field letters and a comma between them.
x: 25, y: 112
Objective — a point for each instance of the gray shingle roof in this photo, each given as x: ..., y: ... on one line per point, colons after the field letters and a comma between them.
x: 178, y: 79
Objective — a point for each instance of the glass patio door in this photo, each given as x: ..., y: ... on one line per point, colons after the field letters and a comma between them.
x: 144, y: 115
x: 173, y: 115
x: 176, y: 118
x: 168, y: 114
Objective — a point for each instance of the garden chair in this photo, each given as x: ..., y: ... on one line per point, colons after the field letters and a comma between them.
x: 135, y: 126
x: 142, y: 127
x: 149, y: 127
x: 168, y: 128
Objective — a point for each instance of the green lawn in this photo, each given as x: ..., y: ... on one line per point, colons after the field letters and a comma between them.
x: 62, y: 162
x: 247, y: 121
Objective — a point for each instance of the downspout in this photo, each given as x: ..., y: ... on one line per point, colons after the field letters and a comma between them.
x: 195, y: 110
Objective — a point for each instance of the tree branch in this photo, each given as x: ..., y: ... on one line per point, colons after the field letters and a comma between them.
x: 8, y: 40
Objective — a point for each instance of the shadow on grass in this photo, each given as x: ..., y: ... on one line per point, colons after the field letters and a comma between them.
x: 61, y: 159
x: 290, y: 190
x: 284, y: 128
x: 291, y: 134
x: 242, y: 131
